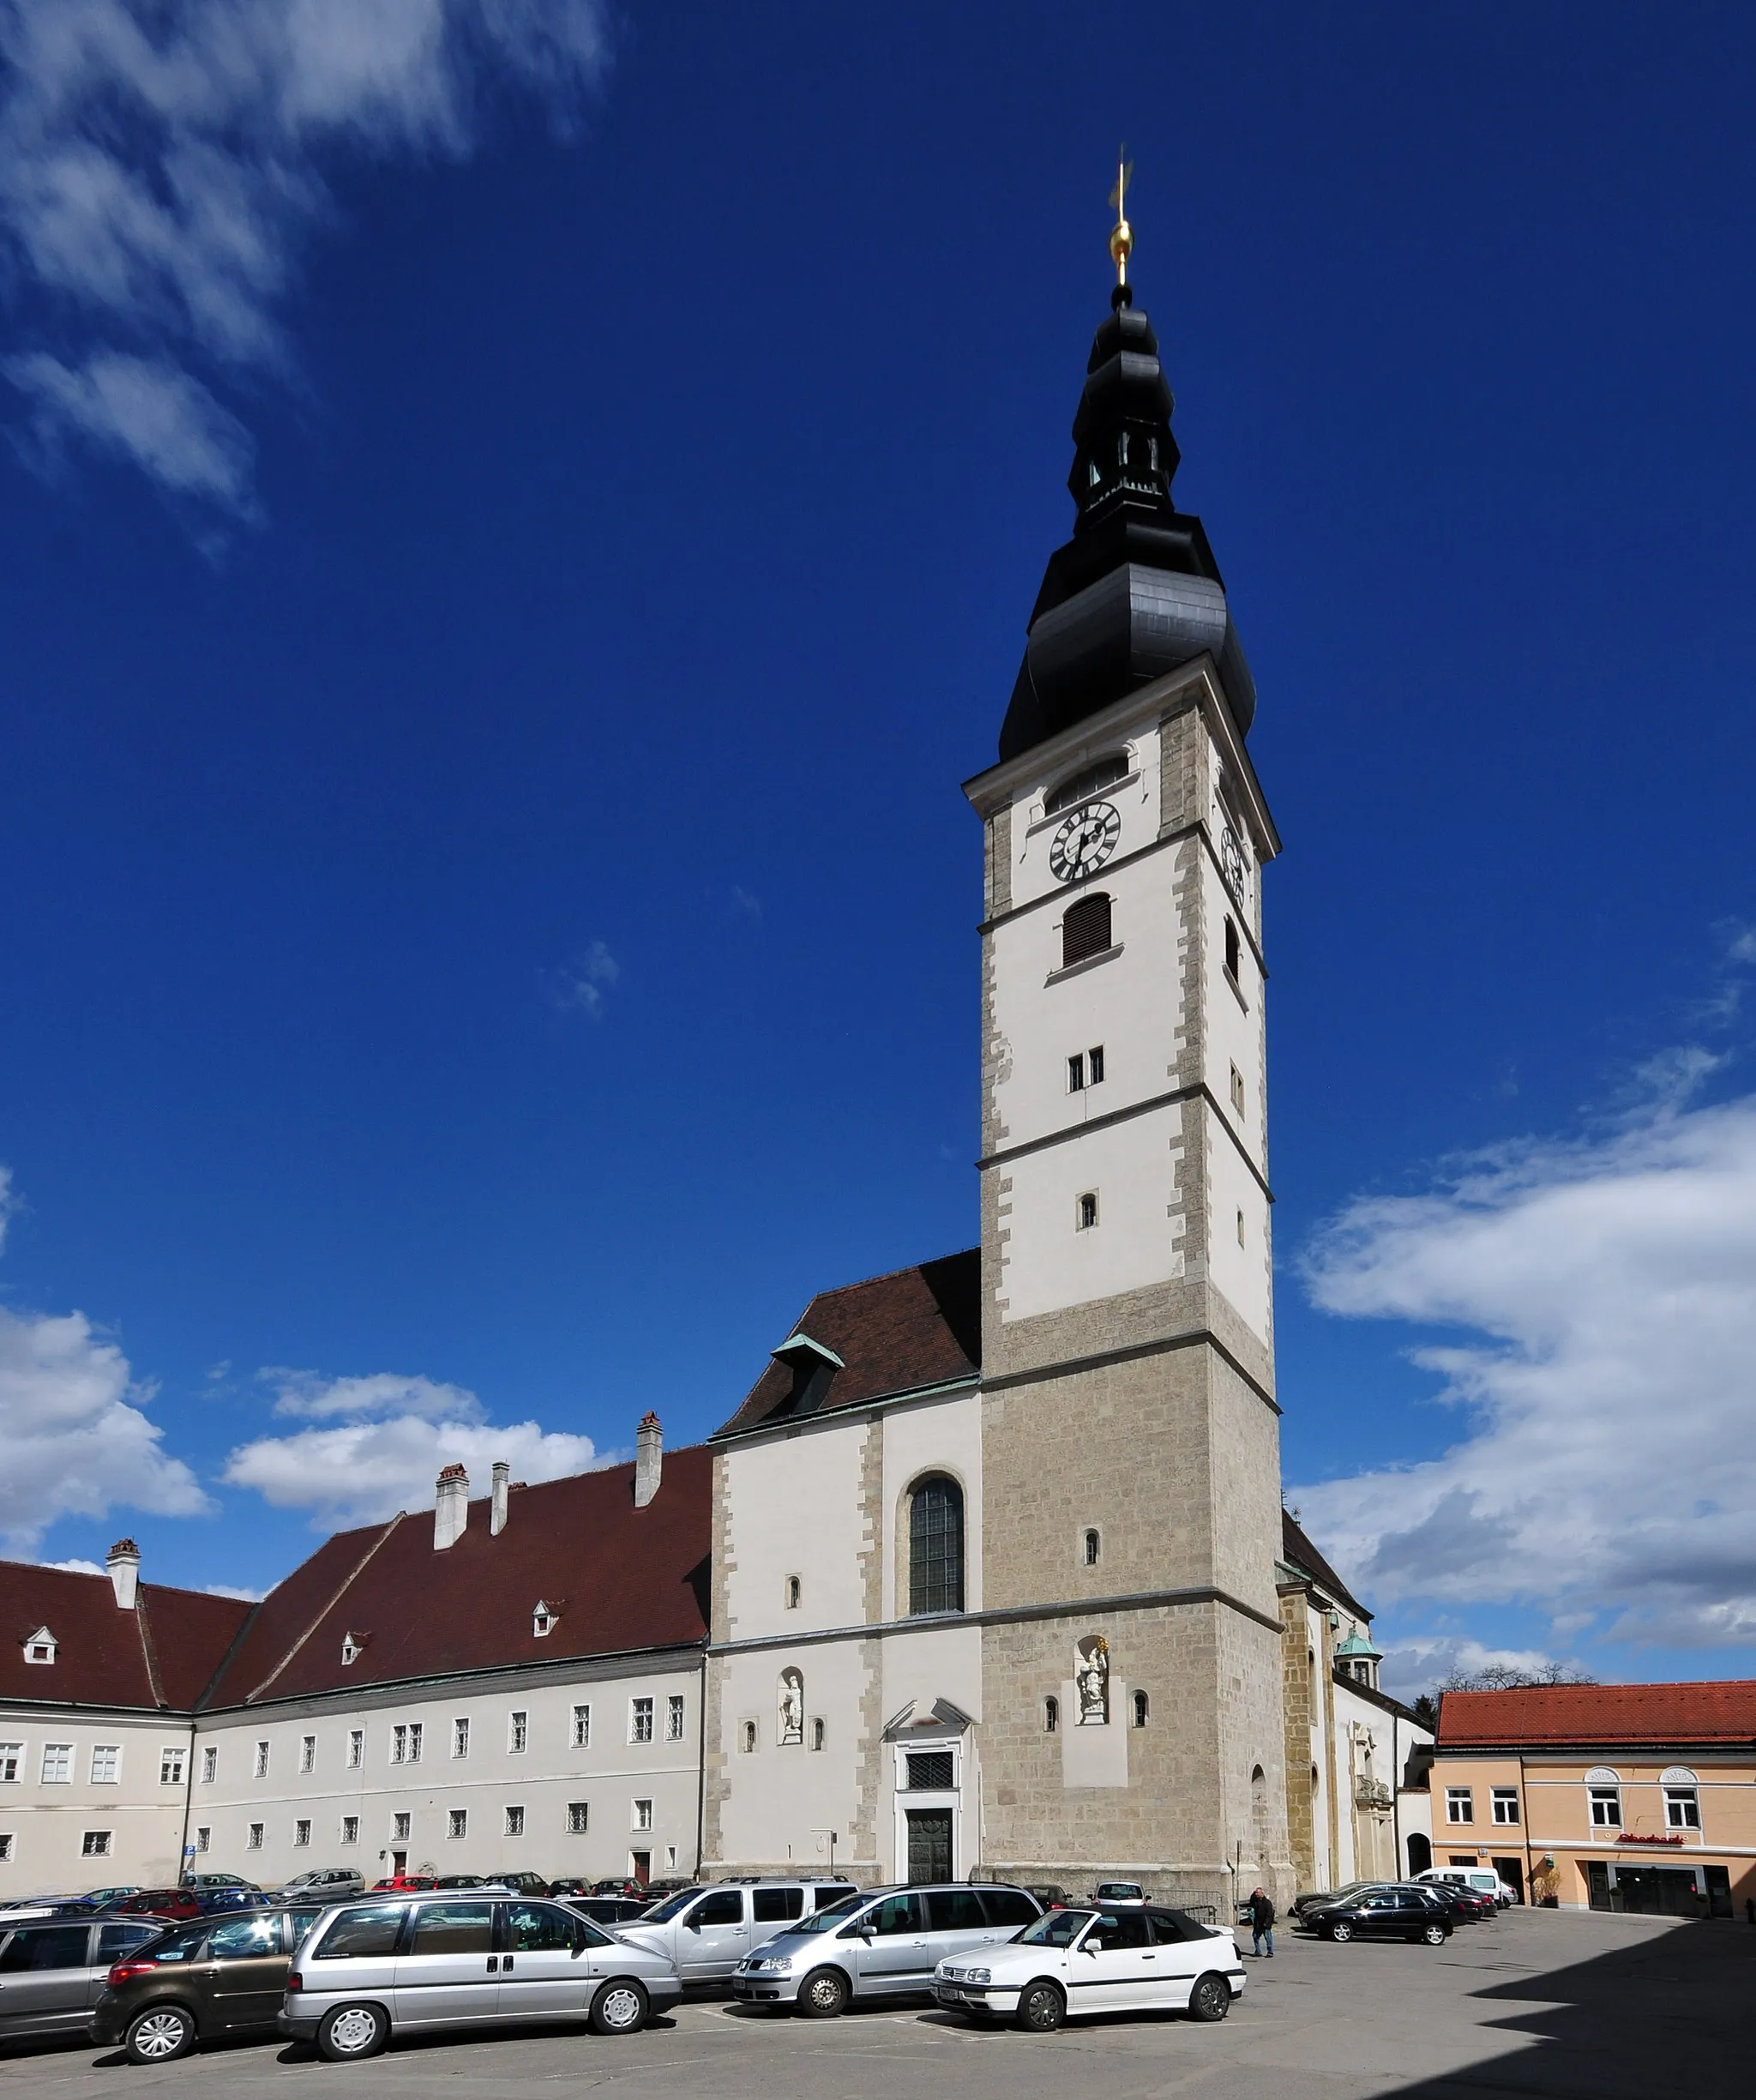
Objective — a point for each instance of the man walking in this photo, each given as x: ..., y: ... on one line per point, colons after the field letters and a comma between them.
x: 1262, y: 1921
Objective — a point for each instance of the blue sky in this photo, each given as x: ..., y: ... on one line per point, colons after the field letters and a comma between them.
x: 518, y: 522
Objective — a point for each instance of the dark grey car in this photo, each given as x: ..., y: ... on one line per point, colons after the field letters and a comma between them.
x: 52, y: 1973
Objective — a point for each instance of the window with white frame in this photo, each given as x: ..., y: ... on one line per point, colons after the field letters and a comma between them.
x: 263, y: 1760
x: 399, y: 1825
x: 1459, y: 1805
x: 11, y: 1763
x: 582, y: 1727
x: 172, y: 1759
x: 640, y: 1720
x: 41, y: 1647
x: 747, y: 1736
x: 1606, y: 1806
x: 204, y: 1837
x: 416, y: 1734
x: 643, y: 1814
x: 457, y: 1823
x: 517, y: 1731
x: 1682, y: 1803
x: 57, y: 1763
x: 95, y: 1845
x: 349, y: 1830
x: 399, y: 1743
x: 253, y: 1843
x: 1506, y: 1804
x: 461, y: 1736
x: 308, y: 1752
x: 515, y: 1821
x: 578, y: 1818
x: 356, y: 1748
x: 820, y: 1732
x: 210, y: 1763
x: 106, y: 1763
x: 673, y: 1719
x: 301, y: 1831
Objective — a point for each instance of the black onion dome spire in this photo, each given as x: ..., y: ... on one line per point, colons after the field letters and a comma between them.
x: 1136, y: 591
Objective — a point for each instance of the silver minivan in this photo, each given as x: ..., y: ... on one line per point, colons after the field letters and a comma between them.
x: 53, y: 1971
x: 707, y: 1931
x: 880, y: 1943
x: 463, y: 1958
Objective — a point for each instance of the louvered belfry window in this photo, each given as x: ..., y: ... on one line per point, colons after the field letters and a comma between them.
x: 936, y: 1546
x: 1085, y: 930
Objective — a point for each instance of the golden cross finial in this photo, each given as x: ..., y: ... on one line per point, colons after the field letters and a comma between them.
x: 1121, y: 236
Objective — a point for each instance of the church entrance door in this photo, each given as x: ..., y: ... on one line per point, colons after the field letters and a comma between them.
x: 930, y: 1845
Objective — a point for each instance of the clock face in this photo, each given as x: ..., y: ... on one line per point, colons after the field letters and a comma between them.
x: 1232, y: 861
x: 1085, y: 842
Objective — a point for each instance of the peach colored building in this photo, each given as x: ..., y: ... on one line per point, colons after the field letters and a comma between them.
x: 1608, y: 1796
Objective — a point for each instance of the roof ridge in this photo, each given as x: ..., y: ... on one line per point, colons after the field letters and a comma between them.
x: 883, y: 1276
x: 94, y: 1574
x: 145, y: 1629
x: 256, y: 1691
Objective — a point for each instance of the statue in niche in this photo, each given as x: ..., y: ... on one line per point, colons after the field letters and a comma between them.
x: 1091, y: 1679
x: 792, y: 1706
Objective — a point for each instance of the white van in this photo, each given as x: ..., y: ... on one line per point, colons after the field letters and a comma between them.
x: 1484, y: 1880
x: 707, y: 1931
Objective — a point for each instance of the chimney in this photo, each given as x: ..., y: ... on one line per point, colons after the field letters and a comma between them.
x: 649, y: 1458
x: 451, y: 1507
x: 502, y: 1477
x: 124, y: 1561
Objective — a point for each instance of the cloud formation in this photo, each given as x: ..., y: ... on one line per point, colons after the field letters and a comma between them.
x: 580, y: 986
x: 162, y: 167
x: 1606, y: 1469
x: 75, y: 1435
x: 389, y: 1437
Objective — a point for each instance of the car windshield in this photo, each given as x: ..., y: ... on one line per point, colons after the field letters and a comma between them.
x: 662, y: 1914
x: 1056, y: 1928
x: 820, y: 1921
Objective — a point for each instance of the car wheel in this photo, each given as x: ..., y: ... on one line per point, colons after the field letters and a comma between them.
x: 1211, y: 1999
x: 1042, y: 2008
x: 1434, y: 1935
x: 1340, y: 1931
x: 352, y: 2032
x: 160, y: 2035
x: 824, y: 1993
x: 620, y: 2007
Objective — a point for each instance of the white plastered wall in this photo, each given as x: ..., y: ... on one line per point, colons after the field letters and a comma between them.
x: 793, y: 1508
x: 47, y: 1822
x: 932, y: 1437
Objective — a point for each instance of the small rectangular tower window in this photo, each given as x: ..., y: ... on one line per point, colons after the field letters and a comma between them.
x: 1076, y: 1073
x: 1094, y: 1064
x: 1084, y: 929
x: 1231, y: 950
x: 818, y: 1733
x: 1240, y: 1228
x: 1094, y: 1547
x: 1238, y: 1089
x: 1086, y: 1212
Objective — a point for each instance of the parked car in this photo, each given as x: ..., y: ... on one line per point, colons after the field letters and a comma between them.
x: 172, y: 1906
x: 100, y: 1897
x: 1118, y: 1891
x: 457, y: 1881
x: 223, y: 1975
x: 407, y: 1884
x: 33, y: 1909
x: 217, y: 1880
x: 1462, y: 1905
x: 623, y: 1887
x: 883, y: 1942
x: 52, y: 1969
x: 1383, y: 1912
x: 322, y: 1885
x: 1483, y: 1879
x: 1073, y: 1961
x: 217, y: 1902
x: 707, y: 1931
x: 1050, y: 1894
x: 371, y: 1970
x: 615, y: 1911
x: 525, y: 1884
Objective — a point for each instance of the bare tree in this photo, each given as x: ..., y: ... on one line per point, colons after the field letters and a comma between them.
x: 1504, y: 1677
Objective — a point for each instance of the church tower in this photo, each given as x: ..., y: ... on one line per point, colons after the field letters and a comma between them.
x: 1130, y: 1451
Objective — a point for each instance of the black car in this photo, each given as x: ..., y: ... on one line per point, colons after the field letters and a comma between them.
x: 1382, y: 1913
x: 1315, y: 1899
x: 520, y: 1884
x: 612, y: 1911
x: 1050, y: 1894
x: 223, y: 1976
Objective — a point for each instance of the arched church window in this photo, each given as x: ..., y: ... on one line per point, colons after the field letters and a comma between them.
x: 1051, y: 1716
x: 1088, y: 781
x: 936, y: 1546
x: 1142, y: 1709
x: 1094, y: 1547
x: 1084, y: 929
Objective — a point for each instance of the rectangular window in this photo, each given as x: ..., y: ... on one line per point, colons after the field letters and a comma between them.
x: 582, y: 1727
x: 204, y: 1837
x: 930, y: 1769
x: 1094, y: 1064
x: 1237, y: 1091
x: 399, y: 1743
x: 460, y: 1737
x: 170, y: 1763
x: 106, y: 1763
x: 5, y: 1844
x: 1231, y: 951
x: 57, y: 1763
x: 673, y: 1719
x: 261, y: 1761
x: 302, y: 1831
x: 254, y: 1841
x: 640, y: 1720
x: 210, y: 1764
x: 356, y: 1748
x: 578, y: 1818
x: 11, y: 1762
x: 399, y: 1826
x: 1682, y: 1808
x: 518, y: 1733
x: 1076, y: 1073
x: 1506, y: 1804
x: 308, y: 1752
x: 643, y: 1814
x: 457, y: 1823
x: 515, y: 1822
x: 416, y: 1731
x: 1086, y: 1211
x: 1459, y: 1805
x: 1606, y: 1807
x: 95, y: 1845
x: 349, y: 1830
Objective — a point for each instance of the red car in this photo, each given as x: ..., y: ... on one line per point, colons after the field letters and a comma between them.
x: 174, y: 1904
x: 403, y: 1881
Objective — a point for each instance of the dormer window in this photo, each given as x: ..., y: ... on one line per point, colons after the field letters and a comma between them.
x: 352, y: 1648
x: 41, y: 1647
x: 542, y: 1618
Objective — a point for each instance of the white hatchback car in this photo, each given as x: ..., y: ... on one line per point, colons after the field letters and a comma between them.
x: 1483, y: 1879
x: 1075, y: 1961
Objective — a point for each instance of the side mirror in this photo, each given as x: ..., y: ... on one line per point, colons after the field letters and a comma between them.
x: 692, y: 1924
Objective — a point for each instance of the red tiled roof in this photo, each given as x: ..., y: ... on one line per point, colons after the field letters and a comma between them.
x: 1600, y: 1713
x: 633, y: 1578
x: 102, y: 1651
x: 915, y: 1327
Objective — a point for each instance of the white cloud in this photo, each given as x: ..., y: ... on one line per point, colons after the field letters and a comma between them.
x: 75, y: 1566
x: 1606, y: 1469
x: 8, y: 1203
x: 160, y: 168
x: 227, y: 1589
x: 76, y: 1438
x: 581, y: 984
x: 387, y: 1457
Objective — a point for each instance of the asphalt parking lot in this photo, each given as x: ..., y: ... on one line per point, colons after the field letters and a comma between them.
x: 1535, y: 2003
